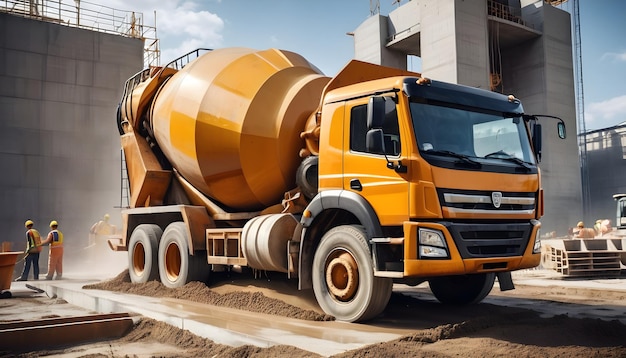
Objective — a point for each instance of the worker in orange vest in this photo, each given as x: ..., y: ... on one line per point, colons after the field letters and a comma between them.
x: 55, y: 258
x: 33, y: 248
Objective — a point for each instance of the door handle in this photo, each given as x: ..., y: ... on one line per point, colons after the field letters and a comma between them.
x: 355, y: 184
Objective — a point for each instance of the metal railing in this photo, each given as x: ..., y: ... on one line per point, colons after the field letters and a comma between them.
x: 505, y: 12
x: 89, y: 16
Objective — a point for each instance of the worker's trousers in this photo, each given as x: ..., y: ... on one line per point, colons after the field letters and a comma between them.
x: 55, y: 262
x: 31, y: 259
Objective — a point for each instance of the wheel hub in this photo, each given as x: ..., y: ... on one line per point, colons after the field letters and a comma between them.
x: 139, y: 259
x: 342, y: 276
x: 172, y: 262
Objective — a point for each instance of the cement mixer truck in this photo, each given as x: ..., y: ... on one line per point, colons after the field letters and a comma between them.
x: 244, y: 159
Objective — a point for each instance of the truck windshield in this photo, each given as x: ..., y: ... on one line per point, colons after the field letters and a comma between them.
x: 446, y: 130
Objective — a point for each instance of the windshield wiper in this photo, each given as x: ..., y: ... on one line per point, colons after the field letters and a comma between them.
x: 506, y: 156
x: 449, y: 153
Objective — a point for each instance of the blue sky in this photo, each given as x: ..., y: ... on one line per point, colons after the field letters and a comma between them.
x: 317, y: 30
x: 603, y: 43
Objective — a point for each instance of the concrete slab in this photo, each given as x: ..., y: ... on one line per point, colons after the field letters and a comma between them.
x: 222, y: 325
x: 236, y: 327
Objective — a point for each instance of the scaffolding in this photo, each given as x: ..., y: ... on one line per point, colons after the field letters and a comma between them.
x: 90, y: 16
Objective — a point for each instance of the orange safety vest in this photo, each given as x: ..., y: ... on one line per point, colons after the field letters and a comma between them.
x: 33, y: 244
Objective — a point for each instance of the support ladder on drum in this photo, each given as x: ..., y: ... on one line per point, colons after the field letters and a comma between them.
x: 124, y: 184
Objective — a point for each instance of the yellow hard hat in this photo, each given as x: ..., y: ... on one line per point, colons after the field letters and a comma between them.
x: 54, y: 223
x: 28, y: 223
x: 106, y: 216
x: 580, y: 224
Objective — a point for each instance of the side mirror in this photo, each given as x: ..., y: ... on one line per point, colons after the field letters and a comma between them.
x: 375, y: 112
x: 374, y: 142
x: 537, y: 140
x: 560, y: 128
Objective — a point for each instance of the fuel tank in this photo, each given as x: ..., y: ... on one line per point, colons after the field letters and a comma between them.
x: 230, y: 121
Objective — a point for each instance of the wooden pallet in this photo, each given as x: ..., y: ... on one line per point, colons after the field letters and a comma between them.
x: 584, y: 257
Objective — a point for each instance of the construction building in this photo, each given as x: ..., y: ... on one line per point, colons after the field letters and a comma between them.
x: 606, y: 152
x: 519, y: 47
x: 61, y: 70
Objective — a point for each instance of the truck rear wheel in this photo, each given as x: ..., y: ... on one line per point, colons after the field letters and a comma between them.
x: 462, y: 290
x: 142, y: 253
x: 176, y: 266
x: 343, y: 276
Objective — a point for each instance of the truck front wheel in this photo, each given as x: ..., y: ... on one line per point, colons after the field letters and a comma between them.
x: 343, y: 276
x: 462, y: 290
x: 142, y: 253
x: 176, y: 266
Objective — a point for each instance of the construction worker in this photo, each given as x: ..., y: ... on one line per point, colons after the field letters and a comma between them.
x: 55, y: 257
x: 602, y: 227
x: 605, y: 227
x: 583, y: 232
x: 103, y: 227
x: 579, y: 226
x: 100, y: 231
x: 33, y: 248
x: 598, y: 226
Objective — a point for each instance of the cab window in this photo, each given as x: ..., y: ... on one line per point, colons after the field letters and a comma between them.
x: 391, y: 129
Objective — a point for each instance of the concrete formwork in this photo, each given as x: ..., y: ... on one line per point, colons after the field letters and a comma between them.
x: 59, y: 146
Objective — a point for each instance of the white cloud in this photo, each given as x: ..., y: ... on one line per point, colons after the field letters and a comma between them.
x: 181, y: 25
x: 184, y: 30
x: 606, y: 113
x: 614, y: 56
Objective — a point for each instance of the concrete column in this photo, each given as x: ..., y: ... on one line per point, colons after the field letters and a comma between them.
x: 454, y: 41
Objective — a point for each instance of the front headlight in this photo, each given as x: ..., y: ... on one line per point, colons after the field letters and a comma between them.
x: 537, y: 245
x: 431, y: 238
x: 432, y: 244
x: 430, y: 251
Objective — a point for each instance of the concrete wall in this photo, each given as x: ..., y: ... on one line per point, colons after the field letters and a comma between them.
x: 540, y: 72
x: 59, y: 145
x: 562, y: 178
x: 472, y: 43
x: 438, y: 40
x: 454, y: 40
x: 404, y: 20
x: 373, y: 34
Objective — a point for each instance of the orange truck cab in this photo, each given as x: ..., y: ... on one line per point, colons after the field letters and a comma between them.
x: 441, y: 179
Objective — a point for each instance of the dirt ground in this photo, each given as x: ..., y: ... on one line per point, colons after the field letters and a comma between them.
x: 484, y: 330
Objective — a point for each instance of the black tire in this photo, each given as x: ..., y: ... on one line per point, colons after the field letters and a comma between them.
x: 176, y: 266
x: 307, y: 177
x: 348, y: 295
x: 462, y: 290
x: 142, y: 253
x: 6, y: 294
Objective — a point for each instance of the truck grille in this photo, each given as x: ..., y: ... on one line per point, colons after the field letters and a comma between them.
x: 490, y: 240
x: 495, y: 235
